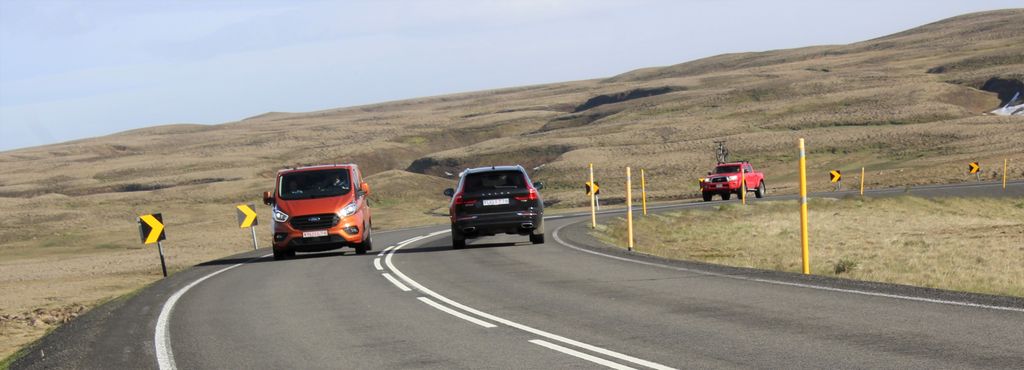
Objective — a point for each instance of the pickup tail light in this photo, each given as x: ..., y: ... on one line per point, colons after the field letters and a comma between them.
x: 459, y: 200
x: 531, y: 196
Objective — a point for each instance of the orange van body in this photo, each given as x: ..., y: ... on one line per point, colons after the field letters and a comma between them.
x: 320, y: 208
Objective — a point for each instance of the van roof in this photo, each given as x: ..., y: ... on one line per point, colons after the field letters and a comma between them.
x: 316, y: 167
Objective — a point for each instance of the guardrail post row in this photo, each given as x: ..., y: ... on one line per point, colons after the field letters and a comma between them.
x: 803, y: 209
x: 629, y: 208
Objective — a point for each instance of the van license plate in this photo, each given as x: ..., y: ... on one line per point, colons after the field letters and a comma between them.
x: 495, y: 202
x: 314, y: 234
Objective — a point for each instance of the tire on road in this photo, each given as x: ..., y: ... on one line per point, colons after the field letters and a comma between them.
x: 458, y: 240
x: 707, y: 196
x: 760, y: 192
x: 537, y: 238
x: 726, y: 196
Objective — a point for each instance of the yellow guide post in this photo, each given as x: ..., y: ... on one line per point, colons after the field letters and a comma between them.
x: 743, y: 183
x: 803, y: 209
x: 629, y: 208
x: 862, y: 181
x: 1005, y: 161
x: 593, y: 211
x: 643, y: 190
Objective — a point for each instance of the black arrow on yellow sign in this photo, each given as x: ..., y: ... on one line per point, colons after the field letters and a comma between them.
x: 151, y: 228
x: 974, y: 167
x: 247, y: 215
x: 835, y: 175
x: 595, y: 188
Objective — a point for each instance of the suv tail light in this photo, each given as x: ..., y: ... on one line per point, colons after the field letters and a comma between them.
x: 531, y: 196
x: 460, y: 201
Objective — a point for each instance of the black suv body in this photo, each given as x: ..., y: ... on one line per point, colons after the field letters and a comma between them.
x: 496, y: 200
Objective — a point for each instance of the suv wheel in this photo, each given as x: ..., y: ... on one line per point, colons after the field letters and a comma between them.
x: 537, y: 238
x: 279, y: 255
x: 458, y: 240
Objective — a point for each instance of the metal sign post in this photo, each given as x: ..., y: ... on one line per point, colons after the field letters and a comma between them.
x: 629, y: 207
x: 163, y: 265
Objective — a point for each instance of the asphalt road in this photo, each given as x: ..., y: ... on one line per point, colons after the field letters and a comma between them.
x: 505, y: 303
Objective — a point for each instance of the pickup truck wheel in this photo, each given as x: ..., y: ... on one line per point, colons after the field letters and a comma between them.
x: 726, y: 196
x: 707, y: 196
x: 761, y: 191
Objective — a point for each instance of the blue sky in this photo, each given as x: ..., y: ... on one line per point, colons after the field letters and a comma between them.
x: 77, y: 69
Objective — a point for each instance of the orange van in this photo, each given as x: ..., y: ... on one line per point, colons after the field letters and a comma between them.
x: 319, y: 208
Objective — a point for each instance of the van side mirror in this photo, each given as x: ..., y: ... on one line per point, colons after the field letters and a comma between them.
x: 538, y: 185
x: 449, y: 192
x: 267, y: 198
x: 365, y: 188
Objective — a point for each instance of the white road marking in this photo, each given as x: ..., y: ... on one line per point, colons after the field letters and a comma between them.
x: 384, y: 251
x: 161, y: 336
x: 425, y: 290
x: 776, y: 282
x: 579, y: 354
x: 376, y: 264
x: 396, y: 282
x: 456, y: 313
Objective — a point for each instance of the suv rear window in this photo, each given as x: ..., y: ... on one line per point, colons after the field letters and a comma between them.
x: 314, y: 184
x: 494, y: 180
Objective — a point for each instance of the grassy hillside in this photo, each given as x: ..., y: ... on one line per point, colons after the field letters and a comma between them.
x: 908, y: 106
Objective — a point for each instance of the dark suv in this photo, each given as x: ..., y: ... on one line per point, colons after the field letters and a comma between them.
x: 496, y: 200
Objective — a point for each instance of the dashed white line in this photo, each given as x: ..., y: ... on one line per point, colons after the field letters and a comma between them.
x: 425, y: 290
x: 396, y: 282
x: 376, y: 264
x: 162, y: 336
x: 456, y: 313
x: 572, y: 352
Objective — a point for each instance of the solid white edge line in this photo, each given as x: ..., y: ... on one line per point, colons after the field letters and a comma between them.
x: 572, y: 352
x: 776, y: 282
x: 425, y: 290
x: 396, y: 282
x: 384, y: 251
x: 376, y: 264
x: 161, y: 334
x: 456, y: 313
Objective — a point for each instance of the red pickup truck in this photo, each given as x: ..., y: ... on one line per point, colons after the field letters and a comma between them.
x: 725, y: 181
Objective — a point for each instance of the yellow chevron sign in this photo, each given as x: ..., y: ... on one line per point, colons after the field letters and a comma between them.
x: 835, y: 175
x: 974, y: 167
x: 151, y: 228
x: 247, y: 215
x: 592, y: 188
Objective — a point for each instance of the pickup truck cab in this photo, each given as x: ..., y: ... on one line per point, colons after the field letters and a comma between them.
x: 320, y: 208
x: 725, y: 181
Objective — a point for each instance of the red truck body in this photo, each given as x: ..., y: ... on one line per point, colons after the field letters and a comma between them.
x: 725, y: 181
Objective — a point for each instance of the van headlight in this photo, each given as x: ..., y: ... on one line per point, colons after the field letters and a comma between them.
x: 280, y: 216
x: 349, y: 210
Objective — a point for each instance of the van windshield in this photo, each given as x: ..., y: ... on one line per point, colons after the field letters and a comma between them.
x: 314, y: 184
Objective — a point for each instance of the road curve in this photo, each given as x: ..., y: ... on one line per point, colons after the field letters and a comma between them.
x: 505, y: 303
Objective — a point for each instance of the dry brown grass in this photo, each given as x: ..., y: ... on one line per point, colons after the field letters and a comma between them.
x: 972, y: 245
x: 864, y: 104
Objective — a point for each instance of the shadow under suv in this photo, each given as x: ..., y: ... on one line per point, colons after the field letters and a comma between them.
x: 496, y: 200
